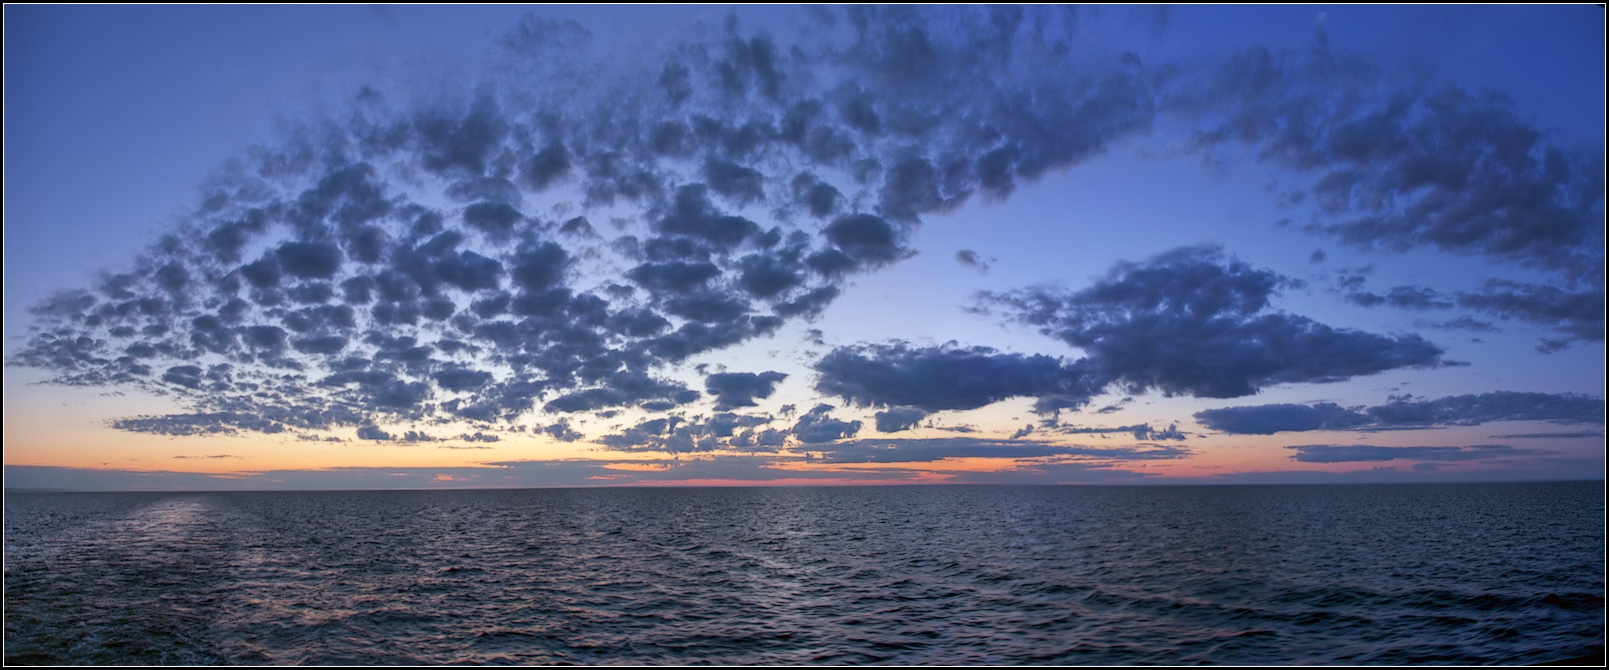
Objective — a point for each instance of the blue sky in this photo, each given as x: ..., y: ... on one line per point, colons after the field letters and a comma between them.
x: 447, y: 247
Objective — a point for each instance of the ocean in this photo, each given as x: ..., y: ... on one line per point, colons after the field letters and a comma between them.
x: 971, y: 575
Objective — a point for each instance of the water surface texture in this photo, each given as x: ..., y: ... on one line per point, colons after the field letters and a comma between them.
x: 1388, y: 574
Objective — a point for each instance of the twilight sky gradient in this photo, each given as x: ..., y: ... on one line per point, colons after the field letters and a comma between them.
x: 359, y: 247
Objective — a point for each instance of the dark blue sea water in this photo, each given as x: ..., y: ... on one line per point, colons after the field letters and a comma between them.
x: 1389, y: 574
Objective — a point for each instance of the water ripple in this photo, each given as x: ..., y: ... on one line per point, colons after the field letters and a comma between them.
x: 1453, y: 574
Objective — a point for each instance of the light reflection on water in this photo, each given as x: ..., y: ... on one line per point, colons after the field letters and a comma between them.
x: 1505, y: 573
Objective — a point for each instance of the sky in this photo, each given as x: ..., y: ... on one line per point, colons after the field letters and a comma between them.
x: 439, y: 247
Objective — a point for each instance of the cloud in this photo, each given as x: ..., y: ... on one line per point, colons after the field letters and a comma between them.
x: 1192, y: 322
x: 1323, y: 453
x: 1577, y: 315
x: 1464, y: 323
x: 227, y: 423
x: 561, y: 431
x: 1270, y: 419
x: 434, y: 222
x: 625, y: 388
x: 949, y: 377
x: 897, y: 419
x: 1398, y: 162
x: 1115, y: 407
x: 971, y: 259
x: 1407, y: 412
x: 739, y: 389
x: 1056, y: 473
x: 1142, y: 432
x: 505, y: 314
x: 817, y: 426
x: 373, y: 433
x: 933, y: 449
x: 723, y: 431
x: 1402, y: 297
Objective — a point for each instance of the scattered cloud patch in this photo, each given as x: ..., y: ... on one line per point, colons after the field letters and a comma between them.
x: 972, y: 259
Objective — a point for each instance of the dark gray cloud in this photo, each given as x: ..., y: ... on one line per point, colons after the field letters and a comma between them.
x: 624, y: 389
x: 1142, y: 432
x: 972, y: 259
x: 1188, y: 322
x: 1398, y: 162
x: 1464, y: 323
x: 1115, y: 407
x: 1576, y: 315
x: 950, y: 377
x: 1559, y: 436
x: 720, y: 432
x: 739, y: 389
x: 1407, y: 412
x: 1270, y: 419
x: 561, y: 431
x: 897, y: 419
x: 1352, y: 453
x: 227, y: 423
x: 1193, y: 322
x: 817, y: 426
x: 1402, y: 297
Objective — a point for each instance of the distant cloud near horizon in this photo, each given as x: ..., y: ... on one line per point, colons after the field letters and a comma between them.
x: 1406, y: 412
x: 1352, y: 453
